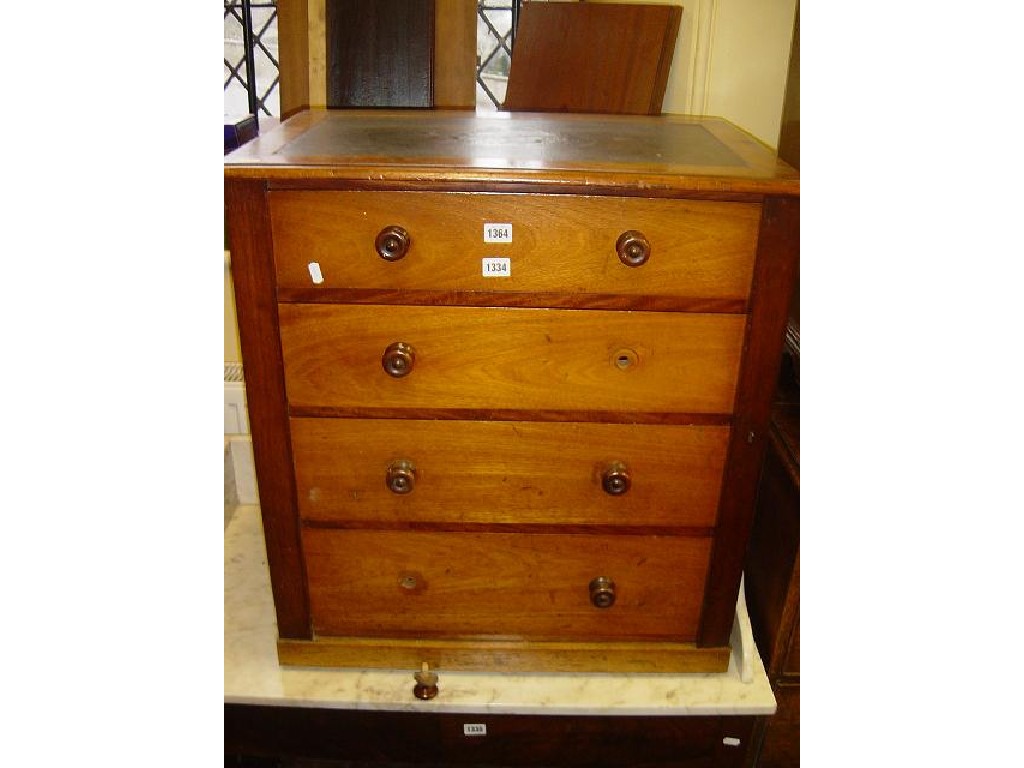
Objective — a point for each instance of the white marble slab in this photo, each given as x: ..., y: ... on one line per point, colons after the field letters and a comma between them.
x: 253, y: 676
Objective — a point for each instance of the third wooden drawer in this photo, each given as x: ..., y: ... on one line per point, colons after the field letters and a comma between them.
x: 507, y: 472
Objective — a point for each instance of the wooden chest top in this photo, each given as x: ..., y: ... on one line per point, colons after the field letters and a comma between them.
x: 606, y: 153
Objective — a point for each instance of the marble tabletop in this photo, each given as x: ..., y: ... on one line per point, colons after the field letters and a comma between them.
x: 253, y: 676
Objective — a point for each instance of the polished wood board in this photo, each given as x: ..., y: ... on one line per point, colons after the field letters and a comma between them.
x: 510, y: 473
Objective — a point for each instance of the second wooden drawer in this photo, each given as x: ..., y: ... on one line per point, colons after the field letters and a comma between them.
x: 522, y: 359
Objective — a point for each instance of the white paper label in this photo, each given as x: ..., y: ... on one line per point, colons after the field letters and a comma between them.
x: 496, y: 266
x: 315, y: 273
x: 497, y: 233
x: 474, y: 729
x: 731, y: 741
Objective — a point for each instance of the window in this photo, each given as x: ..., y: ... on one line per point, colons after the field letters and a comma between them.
x: 251, y: 69
x: 495, y: 32
x: 251, y: 73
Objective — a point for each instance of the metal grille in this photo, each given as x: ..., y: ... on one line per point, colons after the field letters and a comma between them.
x: 495, y: 33
x: 251, y: 69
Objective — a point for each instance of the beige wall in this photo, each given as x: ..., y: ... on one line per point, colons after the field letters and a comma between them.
x: 749, y: 62
x: 730, y: 61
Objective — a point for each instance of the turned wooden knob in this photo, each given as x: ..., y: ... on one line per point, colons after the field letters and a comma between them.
x: 401, y: 476
x: 426, y: 682
x: 392, y: 243
x: 602, y: 592
x: 633, y: 248
x: 615, y: 479
x: 398, y: 359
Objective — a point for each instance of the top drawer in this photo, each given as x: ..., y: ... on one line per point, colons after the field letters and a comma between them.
x: 559, y: 243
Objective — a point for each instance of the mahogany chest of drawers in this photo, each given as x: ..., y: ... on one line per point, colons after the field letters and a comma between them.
x: 509, y: 381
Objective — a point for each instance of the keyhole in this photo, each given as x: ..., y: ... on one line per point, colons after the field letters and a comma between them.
x: 624, y: 359
x: 408, y: 582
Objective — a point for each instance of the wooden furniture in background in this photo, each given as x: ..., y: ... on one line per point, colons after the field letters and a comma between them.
x: 773, y: 562
x: 592, y: 57
x: 773, y: 580
x: 380, y: 53
x: 636, y: 307
x: 454, y: 54
x: 302, y: 53
x: 294, y: 57
x: 300, y: 737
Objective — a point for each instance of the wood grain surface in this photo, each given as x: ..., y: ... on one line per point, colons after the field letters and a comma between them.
x: 699, y: 249
x: 774, y: 276
x: 252, y: 275
x: 503, y: 586
x: 469, y: 357
x: 508, y: 472
x: 592, y: 57
x: 484, y: 655
x: 380, y: 53
x: 454, y: 54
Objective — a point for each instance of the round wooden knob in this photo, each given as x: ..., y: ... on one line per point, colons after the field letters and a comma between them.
x: 392, y: 243
x: 398, y: 359
x: 615, y: 479
x: 602, y: 592
x: 426, y: 683
x: 633, y: 248
x: 401, y: 476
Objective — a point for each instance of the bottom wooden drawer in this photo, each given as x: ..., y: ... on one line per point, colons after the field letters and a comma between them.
x: 412, y: 584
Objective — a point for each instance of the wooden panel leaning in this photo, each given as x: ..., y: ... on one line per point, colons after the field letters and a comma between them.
x: 591, y: 57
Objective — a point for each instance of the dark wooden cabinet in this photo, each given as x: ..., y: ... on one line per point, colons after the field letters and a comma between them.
x: 300, y: 737
x: 380, y: 53
x: 773, y: 580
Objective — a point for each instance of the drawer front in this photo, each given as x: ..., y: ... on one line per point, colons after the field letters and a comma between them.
x: 561, y: 244
x: 419, y: 584
x: 511, y: 358
x: 508, y: 472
